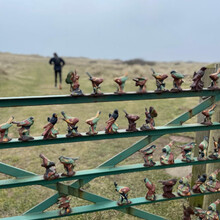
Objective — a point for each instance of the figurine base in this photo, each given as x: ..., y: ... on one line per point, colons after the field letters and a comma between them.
x: 187, y: 160
x: 168, y: 195
x: 132, y: 129
x: 52, y: 177
x: 176, y: 90
x: 5, y: 140
x: 76, y: 92
x: 97, y: 94
x: 213, y: 88
x: 119, y: 93
x: 208, y: 123
x: 187, y: 194
x: 161, y: 91
x: 90, y: 133
x: 214, y: 157
x: 120, y: 204
x: 146, y: 127
x: 65, y: 211
x: 149, y: 164
x: 151, y: 198
x: 25, y: 138
x: 73, y: 135
x: 201, y: 159
x: 69, y: 174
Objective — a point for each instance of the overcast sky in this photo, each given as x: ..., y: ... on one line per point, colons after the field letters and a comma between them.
x: 160, y: 30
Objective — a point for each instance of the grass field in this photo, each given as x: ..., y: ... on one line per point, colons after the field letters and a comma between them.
x: 22, y: 75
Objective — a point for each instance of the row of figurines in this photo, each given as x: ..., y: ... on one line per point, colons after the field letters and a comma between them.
x: 197, y: 85
x: 50, y: 132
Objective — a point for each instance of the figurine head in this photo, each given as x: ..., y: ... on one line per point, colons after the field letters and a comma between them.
x: 203, y: 68
x: 184, y: 181
x: 166, y: 149
x: 54, y: 115
x: 31, y: 118
x: 202, y: 178
x: 206, y: 138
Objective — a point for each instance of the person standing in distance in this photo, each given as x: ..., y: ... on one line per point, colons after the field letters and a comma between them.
x: 58, y: 63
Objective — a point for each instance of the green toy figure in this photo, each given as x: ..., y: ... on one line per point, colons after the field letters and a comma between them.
x: 93, y: 124
x: 213, y: 185
x: 141, y: 82
x: 216, y: 154
x: 121, y: 83
x: 95, y: 84
x: 203, y: 149
x: 64, y: 205
x: 151, y: 190
x: 69, y: 164
x: 186, y: 151
x: 123, y: 191
x: 167, y: 157
x: 148, y: 156
x: 212, y: 213
x: 183, y: 188
x: 24, y: 130
x: 159, y: 81
x: 4, y: 130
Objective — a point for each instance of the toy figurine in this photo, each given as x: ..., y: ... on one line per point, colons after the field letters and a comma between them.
x: 69, y: 164
x: 148, y: 156
x: 51, y: 172
x: 141, y: 82
x: 149, y: 119
x: 71, y: 122
x: 93, y: 124
x: 208, y: 114
x: 184, y: 186
x: 186, y: 151
x: 73, y: 79
x: 168, y: 187
x: 111, y: 126
x: 167, y: 157
x: 121, y: 83
x: 64, y: 205
x: 123, y: 191
x: 177, y: 81
x: 198, y: 84
x: 187, y: 212
x: 212, y: 213
x: 203, y: 148
x: 50, y: 132
x: 131, y: 121
x: 95, y: 84
x: 4, y: 130
x: 213, y: 185
x: 24, y: 130
x: 151, y: 190
x: 200, y: 186
x: 214, y: 77
x: 216, y: 154
x: 159, y: 81
x: 200, y: 213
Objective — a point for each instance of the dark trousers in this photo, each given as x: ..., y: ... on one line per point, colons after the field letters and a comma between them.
x: 60, y: 75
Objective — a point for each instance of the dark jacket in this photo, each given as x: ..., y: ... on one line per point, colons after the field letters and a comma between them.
x: 58, y: 63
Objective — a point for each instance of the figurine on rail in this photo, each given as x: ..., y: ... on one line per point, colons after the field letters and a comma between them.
x: 203, y: 149
x: 141, y: 82
x: 212, y: 213
x: 69, y: 164
x: 131, y: 121
x: 186, y: 151
x: 167, y: 157
x: 198, y: 84
x: 93, y: 124
x: 73, y: 79
x: 121, y: 83
x: 71, y: 122
x: 168, y: 188
x: 184, y: 186
x: 150, y: 115
x: 95, y: 84
x: 24, y: 130
x: 151, y: 190
x: 148, y: 156
x: 214, y: 77
x: 51, y: 172
x: 213, y: 185
x: 208, y: 114
x: 177, y: 81
x: 159, y: 81
x: 49, y: 131
x: 216, y: 154
x: 111, y: 126
x: 200, y: 185
x: 64, y: 205
x: 187, y: 212
x: 123, y: 191
x: 4, y: 130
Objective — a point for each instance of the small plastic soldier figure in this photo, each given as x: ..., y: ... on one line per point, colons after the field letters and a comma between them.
x: 123, y: 191
x: 64, y: 205
x: 93, y: 124
x: 149, y: 119
x: 167, y: 157
x: 200, y: 186
x: 4, y: 130
x: 213, y: 185
x: 212, y: 213
x: 96, y: 82
x: 151, y: 190
x: 198, y: 84
x: 148, y: 156
x: 177, y: 81
x: 216, y: 154
x: 141, y: 82
x: 111, y: 126
x: 50, y: 132
x: 51, y: 172
x: 159, y: 81
x: 203, y: 149
x: 184, y: 186
x: 71, y: 122
x: 24, y: 130
x: 73, y: 79
x: 69, y: 164
x: 168, y: 188
x: 214, y: 77
x: 121, y: 83
x: 208, y: 114
x: 186, y: 151
x: 131, y: 121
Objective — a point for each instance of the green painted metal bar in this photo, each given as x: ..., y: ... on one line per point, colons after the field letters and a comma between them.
x: 122, y: 133
x: 107, y: 97
x: 93, y: 173
x: 101, y: 206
